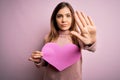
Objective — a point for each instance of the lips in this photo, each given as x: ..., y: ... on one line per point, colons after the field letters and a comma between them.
x: 64, y: 25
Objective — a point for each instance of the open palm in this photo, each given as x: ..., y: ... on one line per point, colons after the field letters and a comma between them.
x: 86, y: 28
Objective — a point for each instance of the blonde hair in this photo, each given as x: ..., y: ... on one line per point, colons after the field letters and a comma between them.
x: 53, y: 34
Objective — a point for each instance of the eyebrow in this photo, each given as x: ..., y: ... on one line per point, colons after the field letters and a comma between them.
x: 62, y: 14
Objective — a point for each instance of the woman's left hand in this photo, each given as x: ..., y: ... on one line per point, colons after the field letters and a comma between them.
x: 86, y: 28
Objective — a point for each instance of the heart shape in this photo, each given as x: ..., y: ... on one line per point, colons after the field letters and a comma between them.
x: 61, y: 57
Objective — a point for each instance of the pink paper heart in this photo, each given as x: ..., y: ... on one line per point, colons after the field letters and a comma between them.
x: 61, y: 57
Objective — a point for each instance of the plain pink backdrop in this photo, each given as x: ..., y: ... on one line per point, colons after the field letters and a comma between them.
x: 24, y: 23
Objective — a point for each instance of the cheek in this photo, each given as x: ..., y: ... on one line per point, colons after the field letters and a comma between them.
x: 58, y: 21
x: 70, y: 21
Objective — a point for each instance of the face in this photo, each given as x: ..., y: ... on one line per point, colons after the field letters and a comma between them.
x: 64, y: 19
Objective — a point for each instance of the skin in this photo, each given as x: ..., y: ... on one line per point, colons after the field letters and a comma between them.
x: 36, y: 57
x: 86, y: 29
x: 64, y: 19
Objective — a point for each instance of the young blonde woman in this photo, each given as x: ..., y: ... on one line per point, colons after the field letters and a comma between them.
x: 67, y: 27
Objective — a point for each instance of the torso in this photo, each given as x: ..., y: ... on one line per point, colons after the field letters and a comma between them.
x: 73, y: 72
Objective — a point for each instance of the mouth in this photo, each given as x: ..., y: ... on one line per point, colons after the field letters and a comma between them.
x: 64, y: 25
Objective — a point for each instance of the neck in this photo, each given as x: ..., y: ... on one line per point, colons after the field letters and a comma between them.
x: 64, y: 32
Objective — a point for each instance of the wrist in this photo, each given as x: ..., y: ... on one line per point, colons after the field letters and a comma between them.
x: 90, y: 44
x: 37, y: 63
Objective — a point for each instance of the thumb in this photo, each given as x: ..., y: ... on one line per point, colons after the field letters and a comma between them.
x: 30, y: 59
x: 78, y: 35
x: 74, y: 33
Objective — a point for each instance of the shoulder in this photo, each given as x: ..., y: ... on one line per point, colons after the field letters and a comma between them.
x: 46, y: 38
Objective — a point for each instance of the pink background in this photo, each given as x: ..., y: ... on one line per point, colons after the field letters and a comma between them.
x: 23, y: 24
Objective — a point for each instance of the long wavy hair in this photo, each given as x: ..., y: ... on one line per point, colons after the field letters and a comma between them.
x: 53, y: 34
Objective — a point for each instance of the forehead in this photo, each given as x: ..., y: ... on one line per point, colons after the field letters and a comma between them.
x: 64, y: 10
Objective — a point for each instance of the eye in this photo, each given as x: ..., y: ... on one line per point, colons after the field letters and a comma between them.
x: 68, y: 15
x: 59, y: 16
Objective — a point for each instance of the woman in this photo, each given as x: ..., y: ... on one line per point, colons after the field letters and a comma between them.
x: 67, y: 27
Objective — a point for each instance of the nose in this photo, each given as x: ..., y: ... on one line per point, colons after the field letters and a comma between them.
x: 64, y: 19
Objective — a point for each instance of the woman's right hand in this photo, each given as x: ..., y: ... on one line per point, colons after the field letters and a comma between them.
x: 36, y: 57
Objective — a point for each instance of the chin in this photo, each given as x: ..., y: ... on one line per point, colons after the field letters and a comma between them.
x: 65, y: 29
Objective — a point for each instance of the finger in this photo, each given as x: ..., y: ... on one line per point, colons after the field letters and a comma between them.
x: 30, y: 59
x: 74, y: 33
x: 77, y: 28
x: 85, y: 18
x: 36, y: 57
x: 36, y: 52
x: 34, y: 60
x: 78, y: 22
x: 82, y: 19
x: 91, y: 22
x: 80, y: 37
